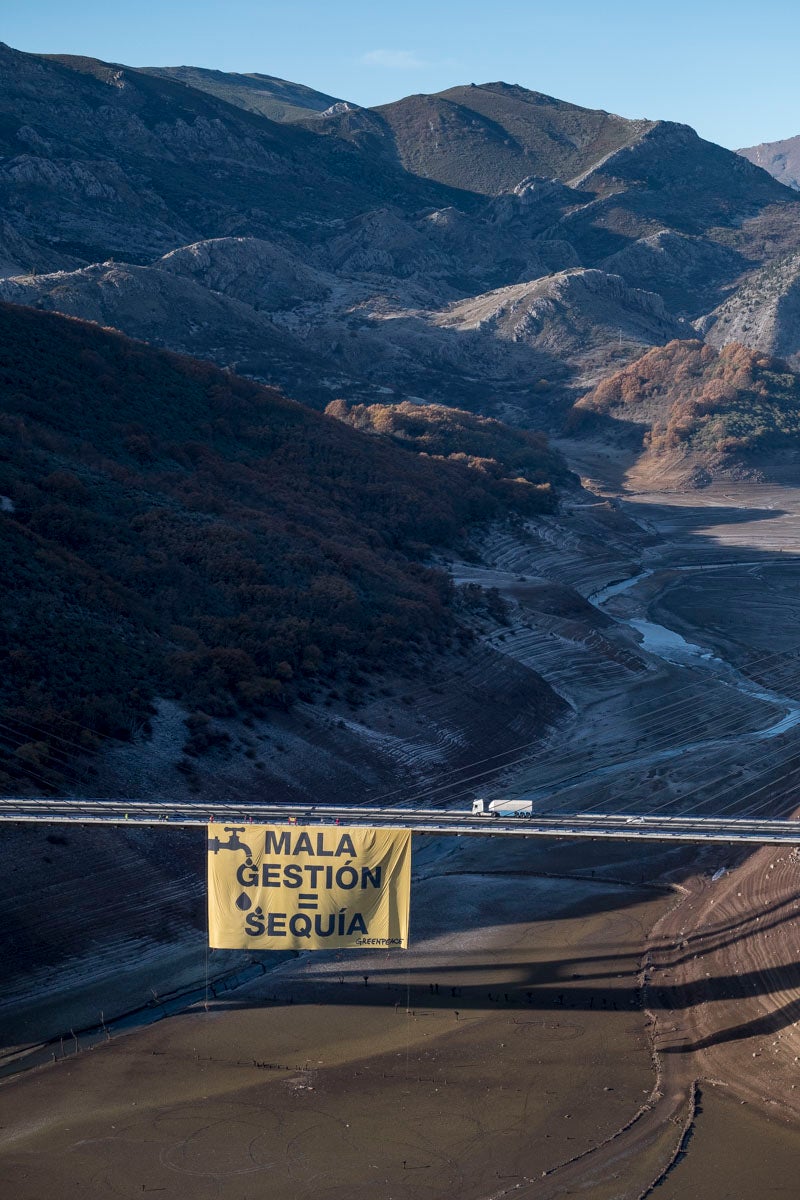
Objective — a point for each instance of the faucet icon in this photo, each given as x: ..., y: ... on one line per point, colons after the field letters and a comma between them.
x: 234, y: 842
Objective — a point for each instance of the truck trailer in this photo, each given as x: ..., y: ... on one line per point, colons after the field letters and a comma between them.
x: 502, y: 808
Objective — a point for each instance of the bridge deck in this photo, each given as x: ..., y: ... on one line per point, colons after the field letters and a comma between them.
x: 755, y: 831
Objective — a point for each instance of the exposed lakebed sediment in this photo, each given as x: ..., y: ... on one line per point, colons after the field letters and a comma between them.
x: 550, y: 1026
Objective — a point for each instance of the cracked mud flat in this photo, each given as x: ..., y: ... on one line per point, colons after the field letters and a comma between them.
x: 311, y: 1083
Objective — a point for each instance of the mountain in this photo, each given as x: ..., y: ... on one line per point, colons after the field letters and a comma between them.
x: 763, y: 312
x: 102, y: 161
x: 781, y: 159
x: 488, y: 138
x: 688, y: 412
x: 579, y: 316
x: 624, y: 181
x: 688, y: 271
x: 487, y: 247
x: 347, y: 330
x: 274, y: 98
x: 172, y: 531
x: 174, y: 304
x: 259, y: 273
x: 669, y: 178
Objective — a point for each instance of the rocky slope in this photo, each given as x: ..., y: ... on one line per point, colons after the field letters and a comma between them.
x: 689, y: 411
x: 763, y: 312
x: 170, y: 305
x: 101, y: 161
x: 487, y: 138
x: 255, y: 306
x: 688, y: 271
x: 487, y: 247
x: 668, y: 177
x: 781, y: 159
x: 627, y: 180
x: 169, y: 530
x: 275, y: 98
x: 583, y: 317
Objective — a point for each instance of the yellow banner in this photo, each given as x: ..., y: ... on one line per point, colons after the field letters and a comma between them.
x: 307, y: 887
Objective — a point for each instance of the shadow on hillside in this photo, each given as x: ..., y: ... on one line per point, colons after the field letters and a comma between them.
x: 607, y: 448
x: 695, y: 520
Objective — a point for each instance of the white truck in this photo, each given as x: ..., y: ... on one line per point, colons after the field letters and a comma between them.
x: 502, y: 808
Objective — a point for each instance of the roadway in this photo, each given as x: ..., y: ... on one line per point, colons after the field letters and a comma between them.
x: 606, y: 826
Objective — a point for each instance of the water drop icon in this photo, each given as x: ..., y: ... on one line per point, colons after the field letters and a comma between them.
x: 244, y: 902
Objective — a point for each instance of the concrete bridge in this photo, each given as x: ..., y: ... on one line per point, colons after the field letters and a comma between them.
x: 606, y: 826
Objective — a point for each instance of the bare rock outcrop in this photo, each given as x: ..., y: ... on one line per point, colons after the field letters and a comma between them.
x: 256, y: 272
x: 685, y: 270
x: 174, y: 312
x: 763, y: 313
x: 572, y: 314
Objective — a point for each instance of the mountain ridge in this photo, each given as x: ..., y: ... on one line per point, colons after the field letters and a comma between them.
x: 322, y: 256
x: 278, y: 99
x: 781, y: 159
x: 103, y: 160
x: 475, y: 137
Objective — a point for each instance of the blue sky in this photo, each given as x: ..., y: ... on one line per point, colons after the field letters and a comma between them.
x: 729, y: 69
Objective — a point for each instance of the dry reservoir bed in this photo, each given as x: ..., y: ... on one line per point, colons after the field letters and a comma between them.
x: 508, y: 1042
x: 507, y: 1054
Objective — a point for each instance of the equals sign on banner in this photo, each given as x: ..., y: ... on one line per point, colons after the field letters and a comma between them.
x: 307, y: 900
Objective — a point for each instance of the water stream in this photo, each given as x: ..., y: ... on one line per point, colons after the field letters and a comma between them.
x: 672, y: 647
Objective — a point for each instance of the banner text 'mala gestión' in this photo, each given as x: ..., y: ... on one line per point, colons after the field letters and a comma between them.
x: 289, y: 887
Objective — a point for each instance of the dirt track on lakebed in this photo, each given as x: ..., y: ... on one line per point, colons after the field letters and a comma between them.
x: 561, y: 1025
